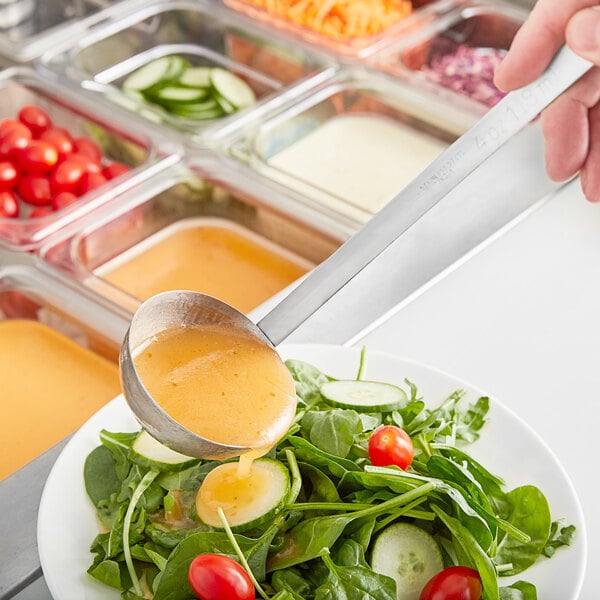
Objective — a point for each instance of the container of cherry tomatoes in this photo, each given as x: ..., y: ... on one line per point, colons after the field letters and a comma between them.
x: 61, y: 156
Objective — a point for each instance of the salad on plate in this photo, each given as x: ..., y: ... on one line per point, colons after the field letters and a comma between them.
x: 373, y: 493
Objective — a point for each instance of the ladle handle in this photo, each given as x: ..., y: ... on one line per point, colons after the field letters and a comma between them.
x: 496, y: 127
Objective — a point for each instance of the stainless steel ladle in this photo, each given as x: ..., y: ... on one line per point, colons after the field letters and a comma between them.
x: 173, y: 309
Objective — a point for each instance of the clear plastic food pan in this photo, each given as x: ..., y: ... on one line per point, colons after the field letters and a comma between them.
x: 129, y: 150
x: 352, y: 145
x: 30, y: 27
x: 205, y: 227
x: 456, y: 55
x: 347, y: 31
x: 58, y: 357
x: 191, y: 65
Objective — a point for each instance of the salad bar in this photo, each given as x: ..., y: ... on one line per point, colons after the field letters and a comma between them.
x: 230, y: 148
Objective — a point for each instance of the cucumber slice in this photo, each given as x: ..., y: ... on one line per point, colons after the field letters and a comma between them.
x: 176, y: 94
x: 149, y: 452
x: 409, y: 555
x: 155, y: 73
x: 364, y: 396
x: 195, y: 77
x: 232, y: 88
x: 246, y: 501
x: 227, y: 107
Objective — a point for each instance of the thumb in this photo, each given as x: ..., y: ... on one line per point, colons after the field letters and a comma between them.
x: 583, y: 34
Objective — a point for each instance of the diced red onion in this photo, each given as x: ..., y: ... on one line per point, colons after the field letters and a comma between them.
x: 468, y: 71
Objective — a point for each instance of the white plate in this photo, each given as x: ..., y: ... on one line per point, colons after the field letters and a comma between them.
x: 508, y: 447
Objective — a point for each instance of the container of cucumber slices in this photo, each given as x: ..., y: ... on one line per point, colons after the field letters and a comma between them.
x: 192, y: 66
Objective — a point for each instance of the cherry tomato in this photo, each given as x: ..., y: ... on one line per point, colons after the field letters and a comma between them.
x: 60, y: 139
x: 86, y: 146
x: 91, y: 181
x: 40, y: 211
x: 63, y: 199
x: 37, y: 157
x: 219, y: 577
x: 9, y: 175
x: 114, y: 169
x: 89, y: 164
x: 9, y: 204
x: 35, y: 118
x: 390, y: 445
x: 66, y: 176
x: 453, y: 583
x: 35, y: 189
x: 7, y: 124
x: 14, y: 138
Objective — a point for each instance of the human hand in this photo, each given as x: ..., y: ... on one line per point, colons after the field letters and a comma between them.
x: 571, y: 124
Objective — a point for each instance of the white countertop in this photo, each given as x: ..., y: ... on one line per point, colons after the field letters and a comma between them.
x: 521, y: 320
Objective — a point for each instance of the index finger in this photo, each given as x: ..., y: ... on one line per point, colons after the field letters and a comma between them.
x: 537, y: 42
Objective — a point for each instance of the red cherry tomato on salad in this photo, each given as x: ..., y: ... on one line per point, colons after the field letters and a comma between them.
x: 15, y: 138
x: 35, y: 118
x: 66, y: 176
x: 40, y: 211
x: 91, y: 181
x: 9, y: 175
x: 63, y: 199
x: 390, y: 445
x: 35, y: 189
x: 453, y: 583
x: 9, y: 205
x: 114, y: 169
x: 89, y: 148
x: 60, y: 139
x: 219, y: 577
x: 37, y: 157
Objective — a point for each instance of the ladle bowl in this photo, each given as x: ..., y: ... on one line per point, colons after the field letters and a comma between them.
x: 158, y: 314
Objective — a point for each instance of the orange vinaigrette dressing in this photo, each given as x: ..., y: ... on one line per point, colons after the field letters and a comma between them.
x: 50, y: 386
x: 241, y: 269
x: 222, y: 384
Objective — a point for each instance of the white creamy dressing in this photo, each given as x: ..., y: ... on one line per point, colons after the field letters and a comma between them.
x: 364, y: 160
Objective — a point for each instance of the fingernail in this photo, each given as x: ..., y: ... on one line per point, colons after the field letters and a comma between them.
x: 583, y: 31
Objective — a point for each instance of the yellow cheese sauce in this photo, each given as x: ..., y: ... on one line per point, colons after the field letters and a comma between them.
x: 220, y: 383
x: 50, y: 387
x: 217, y: 260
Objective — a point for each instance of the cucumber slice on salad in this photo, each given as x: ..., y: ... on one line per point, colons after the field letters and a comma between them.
x: 152, y: 74
x: 246, y: 501
x: 232, y: 88
x: 150, y: 453
x: 364, y: 396
x: 409, y: 555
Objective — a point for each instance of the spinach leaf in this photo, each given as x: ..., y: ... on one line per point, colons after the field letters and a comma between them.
x: 308, y: 380
x: 293, y: 582
x: 320, y: 487
x: 99, y: 475
x: 332, y: 431
x: 354, y: 583
x: 309, y: 453
x: 529, y: 511
x: 520, y: 590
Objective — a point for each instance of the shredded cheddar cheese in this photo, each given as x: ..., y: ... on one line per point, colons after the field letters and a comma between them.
x: 340, y: 19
